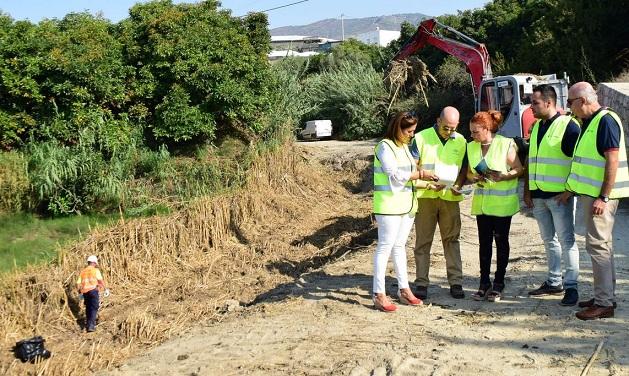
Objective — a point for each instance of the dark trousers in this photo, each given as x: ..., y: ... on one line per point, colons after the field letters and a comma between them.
x: 492, y: 228
x: 91, y: 308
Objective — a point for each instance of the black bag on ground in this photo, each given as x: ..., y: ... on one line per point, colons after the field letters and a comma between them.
x: 29, y: 349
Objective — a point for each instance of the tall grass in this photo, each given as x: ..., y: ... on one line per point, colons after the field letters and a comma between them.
x: 14, y: 183
x: 290, y: 101
x: 353, y: 96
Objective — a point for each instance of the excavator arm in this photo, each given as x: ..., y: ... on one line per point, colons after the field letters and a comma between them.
x: 472, y: 53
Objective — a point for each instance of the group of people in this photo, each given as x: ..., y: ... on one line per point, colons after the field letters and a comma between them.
x: 565, y: 160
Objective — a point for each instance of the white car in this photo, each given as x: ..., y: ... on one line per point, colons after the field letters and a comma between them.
x: 317, y: 129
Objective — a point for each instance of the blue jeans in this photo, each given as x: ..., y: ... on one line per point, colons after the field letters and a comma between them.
x: 556, y: 226
x: 91, y: 308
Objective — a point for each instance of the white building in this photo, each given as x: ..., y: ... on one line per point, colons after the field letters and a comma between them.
x: 280, y: 54
x: 298, y: 45
x: 378, y: 37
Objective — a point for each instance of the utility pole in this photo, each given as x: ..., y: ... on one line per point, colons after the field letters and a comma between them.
x: 342, y: 28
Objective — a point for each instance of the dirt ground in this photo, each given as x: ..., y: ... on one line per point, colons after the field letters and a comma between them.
x: 323, y: 323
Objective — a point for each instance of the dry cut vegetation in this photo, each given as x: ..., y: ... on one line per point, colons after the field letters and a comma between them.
x: 168, y: 273
x: 408, y: 75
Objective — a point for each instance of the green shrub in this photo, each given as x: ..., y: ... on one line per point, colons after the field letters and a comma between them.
x: 76, y: 179
x: 177, y: 119
x: 153, y: 163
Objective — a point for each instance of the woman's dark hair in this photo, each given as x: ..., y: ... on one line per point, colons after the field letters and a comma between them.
x: 401, y: 120
x: 488, y: 119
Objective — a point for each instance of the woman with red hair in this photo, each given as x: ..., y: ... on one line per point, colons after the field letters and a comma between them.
x: 494, y: 168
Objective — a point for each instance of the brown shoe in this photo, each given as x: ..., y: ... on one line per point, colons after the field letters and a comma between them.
x: 589, y: 303
x: 595, y: 312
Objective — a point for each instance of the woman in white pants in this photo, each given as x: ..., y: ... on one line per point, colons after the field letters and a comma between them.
x: 395, y: 205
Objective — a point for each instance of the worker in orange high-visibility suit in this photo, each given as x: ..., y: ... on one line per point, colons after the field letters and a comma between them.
x: 89, y: 282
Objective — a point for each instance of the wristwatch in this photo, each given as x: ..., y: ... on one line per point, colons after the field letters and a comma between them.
x: 604, y: 198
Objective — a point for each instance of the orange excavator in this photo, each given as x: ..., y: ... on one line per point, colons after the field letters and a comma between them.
x: 511, y: 95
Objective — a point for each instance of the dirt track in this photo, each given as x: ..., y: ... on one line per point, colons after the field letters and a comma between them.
x: 323, y: 322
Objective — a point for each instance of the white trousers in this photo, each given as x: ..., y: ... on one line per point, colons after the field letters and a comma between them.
x: 393, y: 233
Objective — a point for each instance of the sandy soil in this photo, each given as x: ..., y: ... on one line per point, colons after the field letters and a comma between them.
x: 323, y: 323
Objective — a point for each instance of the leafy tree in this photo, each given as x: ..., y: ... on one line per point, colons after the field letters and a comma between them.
x: 350, y: 50
x: 58, y: 77
x: 20, y: 72
x: 198, y: 61
x: 258, y: 33
x: 586, y: 39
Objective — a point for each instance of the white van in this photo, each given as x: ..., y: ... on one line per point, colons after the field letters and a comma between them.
x: 317, y: 129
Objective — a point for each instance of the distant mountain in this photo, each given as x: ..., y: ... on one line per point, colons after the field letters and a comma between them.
x: 331, y: 27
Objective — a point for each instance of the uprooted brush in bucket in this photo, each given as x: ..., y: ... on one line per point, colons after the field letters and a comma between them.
x: 407, y: 76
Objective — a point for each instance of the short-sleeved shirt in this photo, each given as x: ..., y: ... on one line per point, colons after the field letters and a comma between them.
x: 608, y: 133
x: 89, y: 278
x: 568, y: 144
x: 99, y: 276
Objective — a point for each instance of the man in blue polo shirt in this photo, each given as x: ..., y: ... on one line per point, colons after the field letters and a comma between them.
x: 553, y: 139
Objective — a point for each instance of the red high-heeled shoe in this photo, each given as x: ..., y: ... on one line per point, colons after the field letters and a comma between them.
x: 384, y: 308
x: 413, y: 301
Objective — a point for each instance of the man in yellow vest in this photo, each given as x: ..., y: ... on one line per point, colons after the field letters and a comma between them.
x: 553, y: 139
x: 89, y: 282
x: 440, y: 150
x: 600, y: 176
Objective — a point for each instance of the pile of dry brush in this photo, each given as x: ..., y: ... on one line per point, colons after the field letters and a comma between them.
x: 168, y: 273
x: 407, y: 76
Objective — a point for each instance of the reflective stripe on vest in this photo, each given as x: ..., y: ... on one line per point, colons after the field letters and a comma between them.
x: 385, y: 200
x: 549, y: 167
x: 588, y: 166
x: 89, y: 281
x: 432, y: 152
x: 499, y: 199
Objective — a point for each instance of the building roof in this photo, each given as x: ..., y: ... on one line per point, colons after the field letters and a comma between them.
x: 295, y: 38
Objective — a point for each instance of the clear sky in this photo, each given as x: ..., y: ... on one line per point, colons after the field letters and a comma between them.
x: 298, y: 14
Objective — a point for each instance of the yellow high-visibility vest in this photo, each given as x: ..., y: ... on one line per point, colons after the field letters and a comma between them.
x: 432, y: 153
x: 499, y: 199
x: 549, y: 167
x: 588, y: 166
x: 385, y: 200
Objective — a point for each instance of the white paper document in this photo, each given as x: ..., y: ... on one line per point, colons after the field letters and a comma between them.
x: 447, y: 174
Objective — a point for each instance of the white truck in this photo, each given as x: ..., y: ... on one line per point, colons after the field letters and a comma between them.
x: 317, y: 129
